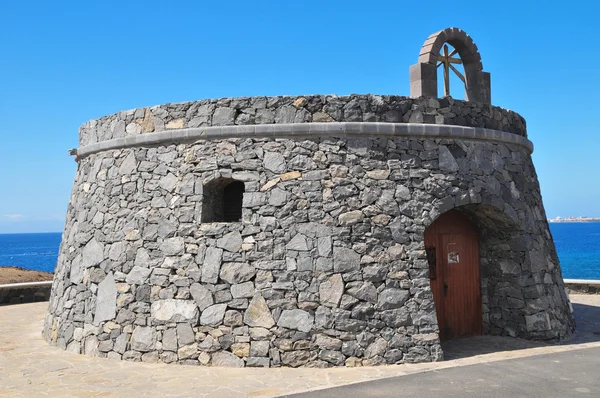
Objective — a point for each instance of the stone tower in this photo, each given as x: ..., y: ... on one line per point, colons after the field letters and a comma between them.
x: 313, y: 230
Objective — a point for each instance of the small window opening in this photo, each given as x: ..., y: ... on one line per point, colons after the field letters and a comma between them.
x: 222, y: 200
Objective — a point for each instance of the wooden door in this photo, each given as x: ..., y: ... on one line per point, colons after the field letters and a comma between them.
x: 452, y: 245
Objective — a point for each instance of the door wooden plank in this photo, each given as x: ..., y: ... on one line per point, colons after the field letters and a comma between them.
x: 456, y: 240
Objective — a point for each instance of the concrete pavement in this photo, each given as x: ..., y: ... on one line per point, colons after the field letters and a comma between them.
x: 565, y: 374
x: 31, y: 367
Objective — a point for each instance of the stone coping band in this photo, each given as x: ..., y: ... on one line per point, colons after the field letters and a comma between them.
x: 26, y: 285
x: 307, y: 130
x: 593, y: 282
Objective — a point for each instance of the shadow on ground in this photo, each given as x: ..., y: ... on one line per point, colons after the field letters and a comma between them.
x: 587, y: 318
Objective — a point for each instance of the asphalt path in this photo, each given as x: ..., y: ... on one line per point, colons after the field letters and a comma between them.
x: 567, y: 374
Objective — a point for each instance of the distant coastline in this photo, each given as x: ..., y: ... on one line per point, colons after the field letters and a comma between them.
x: 575, y: 219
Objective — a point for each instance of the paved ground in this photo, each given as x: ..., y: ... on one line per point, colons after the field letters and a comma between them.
x: 30, y: 367
x: 537, y: 376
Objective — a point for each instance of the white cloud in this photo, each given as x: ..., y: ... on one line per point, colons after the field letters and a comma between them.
x: 14, y: 217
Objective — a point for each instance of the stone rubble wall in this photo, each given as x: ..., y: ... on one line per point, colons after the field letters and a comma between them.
x: 306, y: 109
x: 327, y: 266
x: 19, y: 293
x: 575, y: 286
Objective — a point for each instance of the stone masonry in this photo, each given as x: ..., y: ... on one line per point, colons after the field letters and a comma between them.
x: 327, y: 266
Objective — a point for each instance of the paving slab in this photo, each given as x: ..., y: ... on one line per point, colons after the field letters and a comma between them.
x: 31, y: 367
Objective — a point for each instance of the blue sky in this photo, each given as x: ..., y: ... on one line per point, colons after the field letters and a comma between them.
x: 64, y: 63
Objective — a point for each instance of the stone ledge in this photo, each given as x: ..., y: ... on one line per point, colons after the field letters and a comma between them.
x: 586, y: 286
x: 308, y: 130
x: 18, y: 293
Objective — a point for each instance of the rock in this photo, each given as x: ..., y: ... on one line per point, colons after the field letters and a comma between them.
x: 231, y: 242
x: 345, y: 260
x: 270, y: 184
x: 324, y: 246
x: 274, y: 162
x: 91, y: 346
x: 243, y: 290
x: 295, y: 358
x: 392, y: 298
x: 166, y: 228
x: 446, y: 160
x: 254, y: 199
x: 187, y: 351
x: 255, y: 362
x: 416, y: 355
x: 92, y: 253
x: 168, y: 182
x: 175, y: 124
x: 258, y: 314
x: 374, y: 273
x: 240, y: 349
x: 334, y: 357
x: 331, y: 291
x: 202, y: 296
x: 297, y: 320
x: 223, y: 116
x: 377, y: 348
x: 235, y: 273
x: 396, y: 318
x: 402, y: 193
x: 277, y: 197
x: 292, y: 175
x: 172, y: 246
x: 213, y: 315
x: 169, y: 340
x: 142, y: 258
x: 538, y: 322
x: 143, y: 339
x: 185, y: 334
x: 351, y: 217
x: 366, y: 292
x: 138, y: 275
x: 172, y: 310
x: 211, y: 265
x: 76, y: 272
x: 328, y: 343
x: 129, y: 165
x: 106, y: 302
x: 298, y: 242
x: 121, y: 343
x: 285, y: 114
x: 233, y: 318
x: 378, y: 174
x: 353, y: 362
x: 226, y: 359
x: 259, y: 348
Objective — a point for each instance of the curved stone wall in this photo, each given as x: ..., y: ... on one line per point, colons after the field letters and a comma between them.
x: 326, y: 267
x: 302, y: 109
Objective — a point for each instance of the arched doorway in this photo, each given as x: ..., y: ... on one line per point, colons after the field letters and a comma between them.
x: 452, y: 246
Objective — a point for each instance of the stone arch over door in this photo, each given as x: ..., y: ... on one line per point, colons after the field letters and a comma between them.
x: 423, y: 74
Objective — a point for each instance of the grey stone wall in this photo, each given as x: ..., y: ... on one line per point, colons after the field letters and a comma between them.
x: 327, y: 266
x: 304, y: 109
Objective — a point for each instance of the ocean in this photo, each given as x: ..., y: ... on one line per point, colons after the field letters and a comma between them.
x: 577, y: 244
x: 37, y: 252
